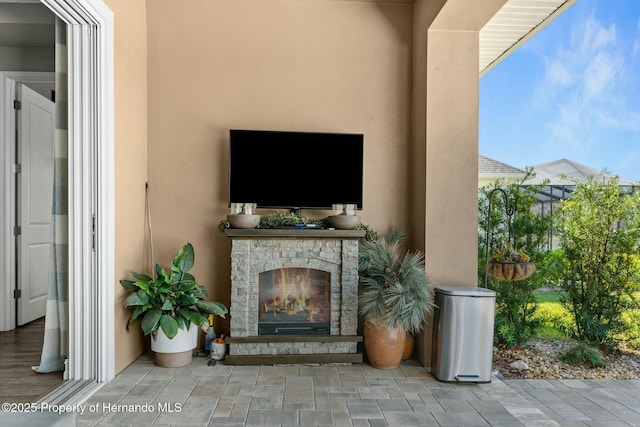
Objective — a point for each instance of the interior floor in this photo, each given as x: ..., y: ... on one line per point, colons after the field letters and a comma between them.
x: 20, y: 349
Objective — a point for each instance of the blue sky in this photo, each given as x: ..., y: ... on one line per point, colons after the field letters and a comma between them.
x: 572, y: 91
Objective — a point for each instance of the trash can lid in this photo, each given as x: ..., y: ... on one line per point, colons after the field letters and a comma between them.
x: 465, y: 291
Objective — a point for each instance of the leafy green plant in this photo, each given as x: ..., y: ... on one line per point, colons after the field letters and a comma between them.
x: 522, y: 236
x: 172, y: 300
x: 394, y: 289
x: 282, y: 219
x: 599, y: 230
x: 583, y: 354
x: 507, y: 334
x: 508, y: 253
x: 550, y: 265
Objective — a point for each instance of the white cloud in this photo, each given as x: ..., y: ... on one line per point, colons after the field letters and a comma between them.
x: 558, y: 73
x: 595, y: 36
x: 601, y: 73
x: 585, y: 84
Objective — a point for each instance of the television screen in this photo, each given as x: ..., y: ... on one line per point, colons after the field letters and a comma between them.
x: 295, y: 170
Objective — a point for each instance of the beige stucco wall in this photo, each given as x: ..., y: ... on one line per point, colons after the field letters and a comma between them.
x: 446, y: 141
x: 204, y: 66
x: 130, y: 84
x: 278, y: 64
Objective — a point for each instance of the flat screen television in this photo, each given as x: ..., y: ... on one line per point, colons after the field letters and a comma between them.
x: 295, y: 170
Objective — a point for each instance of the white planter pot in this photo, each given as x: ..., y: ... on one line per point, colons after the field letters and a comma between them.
x: 176, y: 352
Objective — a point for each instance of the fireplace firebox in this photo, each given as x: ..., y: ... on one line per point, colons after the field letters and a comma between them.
x: 294, y: 301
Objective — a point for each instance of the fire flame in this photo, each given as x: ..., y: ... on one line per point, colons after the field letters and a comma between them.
x: 289, y: 293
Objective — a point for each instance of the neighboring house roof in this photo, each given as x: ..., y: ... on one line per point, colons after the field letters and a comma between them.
x: 515, y: 23
x: 491, y: 170
x: 557, y: 170
x: 558, y: 188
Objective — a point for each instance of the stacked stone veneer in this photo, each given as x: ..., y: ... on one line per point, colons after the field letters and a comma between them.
x: 250, y: 257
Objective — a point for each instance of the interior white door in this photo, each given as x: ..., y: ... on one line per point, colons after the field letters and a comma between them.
x: 36, y: 131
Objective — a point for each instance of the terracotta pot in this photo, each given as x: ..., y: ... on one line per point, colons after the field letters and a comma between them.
x: 384, y: 346
x: 408, y: 347
x: 509, y: 270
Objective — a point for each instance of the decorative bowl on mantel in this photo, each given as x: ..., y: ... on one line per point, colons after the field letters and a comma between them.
x: 344, y: 222
x: 243, y: 220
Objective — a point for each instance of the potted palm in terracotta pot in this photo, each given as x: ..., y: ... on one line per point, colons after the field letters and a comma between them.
x: 171, y: 308
x: 395, y: 297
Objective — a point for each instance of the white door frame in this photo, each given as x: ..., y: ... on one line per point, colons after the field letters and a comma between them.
x: 8, y: 81
x: 90, y: 57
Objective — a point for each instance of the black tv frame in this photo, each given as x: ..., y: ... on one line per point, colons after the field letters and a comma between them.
x: 295, y: 170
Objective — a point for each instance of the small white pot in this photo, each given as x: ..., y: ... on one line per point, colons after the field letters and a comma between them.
x: 176, y: 352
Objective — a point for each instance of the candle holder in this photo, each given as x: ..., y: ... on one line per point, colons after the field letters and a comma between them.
x: 345, y: 216
x: 345, y: 209
x: 243, y: 208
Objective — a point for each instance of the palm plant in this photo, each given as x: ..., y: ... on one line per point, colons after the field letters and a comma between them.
x: 394, y: 291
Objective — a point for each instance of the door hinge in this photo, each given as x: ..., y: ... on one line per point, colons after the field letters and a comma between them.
x: 17, y: 168
x: 93, y: 232
x: 17, y: 105
x: 17, y: 230
x: 17, y: 293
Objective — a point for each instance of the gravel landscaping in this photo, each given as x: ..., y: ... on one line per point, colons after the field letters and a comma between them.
x: 537, y: 359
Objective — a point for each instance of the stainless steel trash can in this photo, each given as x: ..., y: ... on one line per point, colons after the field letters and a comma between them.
x: 462, y: 348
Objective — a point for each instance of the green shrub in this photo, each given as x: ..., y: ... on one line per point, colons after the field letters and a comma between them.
x: 583, y: 354
x: 630, y: 335
x: 599, y: 232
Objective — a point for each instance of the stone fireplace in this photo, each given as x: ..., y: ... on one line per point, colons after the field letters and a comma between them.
x: 294, y: 296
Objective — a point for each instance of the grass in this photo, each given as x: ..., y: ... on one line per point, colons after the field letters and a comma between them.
x: 557, y: 323
x: 547, y: 296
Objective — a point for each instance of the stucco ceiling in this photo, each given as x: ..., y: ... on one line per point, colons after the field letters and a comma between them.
x: 29, y: 23
x: 514, y: 24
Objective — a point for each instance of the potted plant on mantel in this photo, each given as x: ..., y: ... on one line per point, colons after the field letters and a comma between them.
x: 171, y: 308
x: 395, y: 297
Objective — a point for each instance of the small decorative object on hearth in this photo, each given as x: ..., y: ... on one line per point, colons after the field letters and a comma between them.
x: 345, y: 216
x: 243, y: 216
x: 218, y: 348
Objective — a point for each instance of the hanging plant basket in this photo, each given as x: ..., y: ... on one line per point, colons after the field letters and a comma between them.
x: 510, y: 270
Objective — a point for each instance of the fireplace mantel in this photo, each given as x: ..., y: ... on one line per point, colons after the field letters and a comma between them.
x: 296, y: 233
x: 255, y: 251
